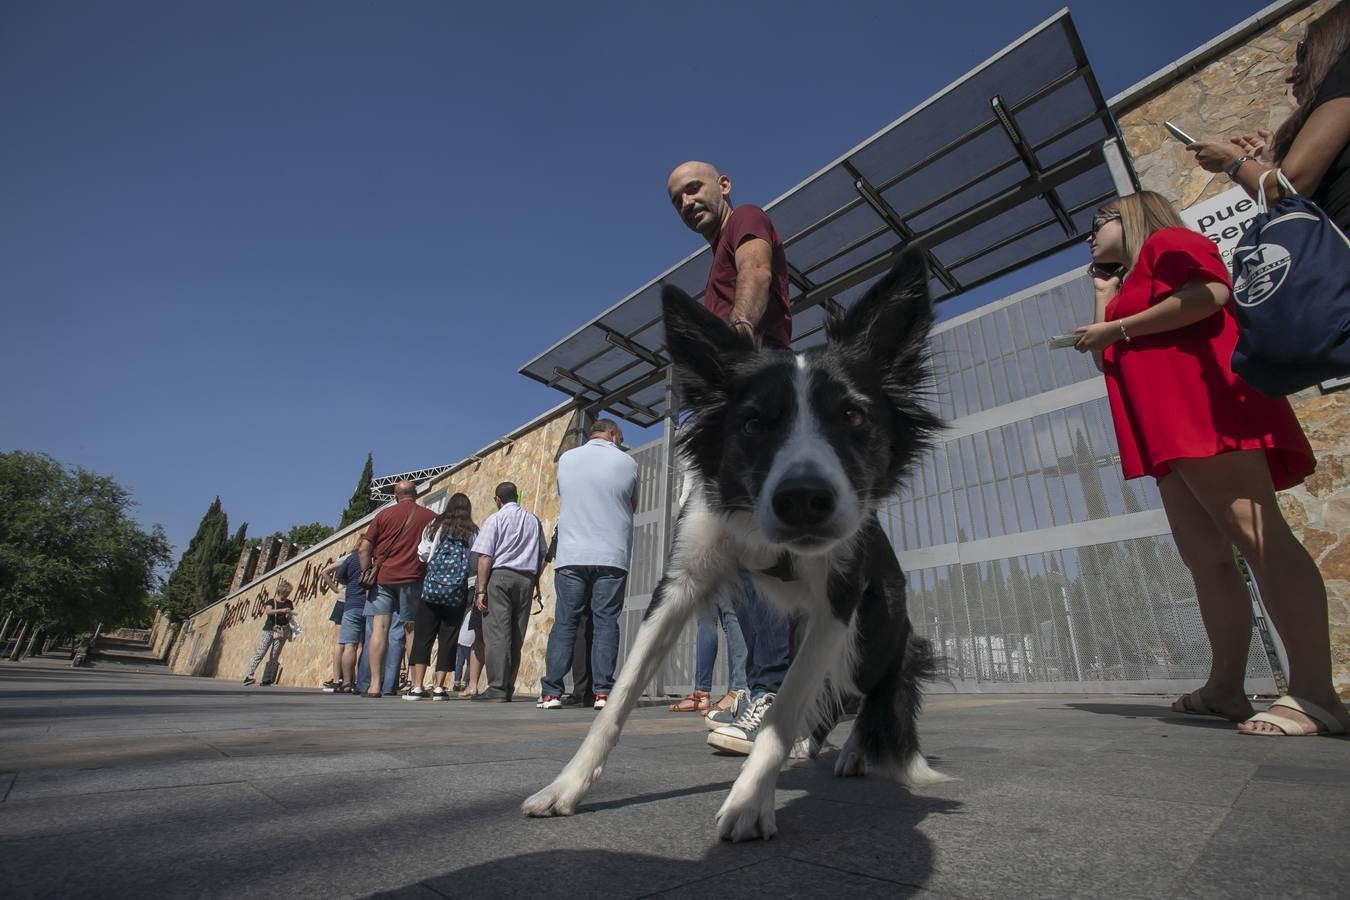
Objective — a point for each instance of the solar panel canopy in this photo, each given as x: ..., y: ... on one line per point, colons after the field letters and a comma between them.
x: 999, y: 169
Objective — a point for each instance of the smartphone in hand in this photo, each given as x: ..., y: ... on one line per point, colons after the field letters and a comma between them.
x: 1062, y: 341
x: 1178, y: 133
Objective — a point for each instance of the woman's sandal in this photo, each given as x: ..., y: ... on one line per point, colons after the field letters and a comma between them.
x: 1289, y: 728
x: 727, y: 702
x: 697, y: 701
x: 1193, y: 704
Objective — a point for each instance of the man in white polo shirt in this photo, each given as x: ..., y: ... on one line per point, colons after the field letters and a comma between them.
x: 597, y: 483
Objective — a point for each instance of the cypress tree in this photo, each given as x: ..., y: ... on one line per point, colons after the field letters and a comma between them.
x: 204, y: 570
x: 360, y: 505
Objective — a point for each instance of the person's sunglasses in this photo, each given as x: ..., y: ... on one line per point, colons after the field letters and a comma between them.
x: 1301, y: 53
x: 1101, y: 220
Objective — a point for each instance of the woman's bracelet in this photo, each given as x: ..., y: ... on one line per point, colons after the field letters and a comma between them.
x: 1123, y: 333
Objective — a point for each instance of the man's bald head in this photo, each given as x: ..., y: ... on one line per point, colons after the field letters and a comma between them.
x: 701, y: 195
x: 405, y: 489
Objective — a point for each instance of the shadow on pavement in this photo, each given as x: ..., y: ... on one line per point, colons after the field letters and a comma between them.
x: 1161, y: 713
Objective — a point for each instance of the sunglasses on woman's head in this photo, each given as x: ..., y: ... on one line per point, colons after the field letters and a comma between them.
x: 1301, y: 53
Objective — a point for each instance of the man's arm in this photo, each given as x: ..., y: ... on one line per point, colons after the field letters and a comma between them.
x: 330, y: 573
x: 364, y: 552
x: 484, y: 570
x: 754, y: 275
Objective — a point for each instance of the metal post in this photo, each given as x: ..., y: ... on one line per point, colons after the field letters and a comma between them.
x: 1118, y: 164
x: 37, y: 633
x: 18, y: 640
x: 4, y: 629
x: 665, y: 498
x: 1073, y: 637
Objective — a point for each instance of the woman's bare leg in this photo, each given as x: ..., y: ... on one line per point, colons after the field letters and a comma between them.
x: 1236, y: 490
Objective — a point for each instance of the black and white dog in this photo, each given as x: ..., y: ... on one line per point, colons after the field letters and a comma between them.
x: 788, y: 456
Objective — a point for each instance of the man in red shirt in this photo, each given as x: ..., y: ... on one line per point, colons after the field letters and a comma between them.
x: 391, y: 540
x: 747, y: 288
x: 748, y: 282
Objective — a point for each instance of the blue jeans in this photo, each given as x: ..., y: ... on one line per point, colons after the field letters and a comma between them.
x: 393, y: 659
x: 705, y: 652
x: 579, y: 587
x: 767, y: 642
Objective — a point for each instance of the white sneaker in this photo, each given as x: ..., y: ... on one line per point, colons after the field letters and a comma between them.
x: 720, y: 717
x: 601, y: 700
x: 548, y: 701
x: 739, y: 737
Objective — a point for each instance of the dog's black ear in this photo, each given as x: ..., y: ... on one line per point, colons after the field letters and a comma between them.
x: 701, y: 346
x: 889, y: 325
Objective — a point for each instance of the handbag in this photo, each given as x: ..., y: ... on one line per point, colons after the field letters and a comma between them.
x: 373, y: 570
x: 1291, y: 292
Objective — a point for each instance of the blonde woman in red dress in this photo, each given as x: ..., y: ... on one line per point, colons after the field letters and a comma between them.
x: 1219, y: 450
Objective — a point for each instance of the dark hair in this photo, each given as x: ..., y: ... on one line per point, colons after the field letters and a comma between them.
x: 606, y: 426
x: 456, y: 520
x: 507, y: 493
x: 1327, y: 40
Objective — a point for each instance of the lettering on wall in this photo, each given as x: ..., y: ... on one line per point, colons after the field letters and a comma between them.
x: 311, y: 584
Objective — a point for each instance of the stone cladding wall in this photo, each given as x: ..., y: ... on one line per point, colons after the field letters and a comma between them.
x: 1240, y: 91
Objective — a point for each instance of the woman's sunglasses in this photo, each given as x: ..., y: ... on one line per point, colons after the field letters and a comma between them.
x: 1100, y: 221
x: 1301, y: 53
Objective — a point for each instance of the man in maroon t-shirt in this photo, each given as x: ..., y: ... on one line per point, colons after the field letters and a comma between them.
x: 748, y: 288
x: 748, y: 281
x: 391, y: 540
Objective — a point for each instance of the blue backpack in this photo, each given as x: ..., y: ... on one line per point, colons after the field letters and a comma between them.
x: 1291, y: 287
x: 446, y: 579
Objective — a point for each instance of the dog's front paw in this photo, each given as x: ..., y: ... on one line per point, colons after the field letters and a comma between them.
x: 558, y: 799
x: 850, y: 762
x: 745, y: 817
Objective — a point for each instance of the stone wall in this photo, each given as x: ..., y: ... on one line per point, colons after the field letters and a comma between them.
x: 1238, y: 91
x: 220, y: 640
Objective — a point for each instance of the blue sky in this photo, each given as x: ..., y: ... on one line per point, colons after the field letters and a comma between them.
x: 243, y: 244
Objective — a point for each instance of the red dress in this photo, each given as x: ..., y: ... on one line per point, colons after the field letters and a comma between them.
x: 1173, y: 394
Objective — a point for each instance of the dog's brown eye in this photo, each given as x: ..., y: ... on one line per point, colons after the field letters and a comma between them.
x: 854, y: 418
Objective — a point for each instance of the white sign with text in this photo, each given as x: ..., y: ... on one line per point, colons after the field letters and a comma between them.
x: 1222, y: 219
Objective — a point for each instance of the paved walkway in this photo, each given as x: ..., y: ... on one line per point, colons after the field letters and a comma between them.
x: 129, y: 785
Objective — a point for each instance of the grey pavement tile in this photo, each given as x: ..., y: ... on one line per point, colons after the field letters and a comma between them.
x: 36, y: 783
x: 410, y: 892
x: 1028, y: 842
x: 791, y: 878
x: 180, y: 806
x: 6, y: 782
x: 1185, y: 778
x: 1280, y: 839
x: 1337, y: 775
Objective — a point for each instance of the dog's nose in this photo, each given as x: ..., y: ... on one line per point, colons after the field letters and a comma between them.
x: 803, y: 501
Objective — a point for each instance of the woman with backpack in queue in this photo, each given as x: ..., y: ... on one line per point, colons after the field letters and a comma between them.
x: 1163, y: 337
x: 1312, y: 147
x: 445, y: 596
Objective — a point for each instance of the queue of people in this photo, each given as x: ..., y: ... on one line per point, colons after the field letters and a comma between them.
x: 1162, y: 333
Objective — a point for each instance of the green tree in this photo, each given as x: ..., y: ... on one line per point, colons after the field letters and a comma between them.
x: 70, y: 554
x: 360, y: 505
x: 204, y: 570
x: 309, y: 535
